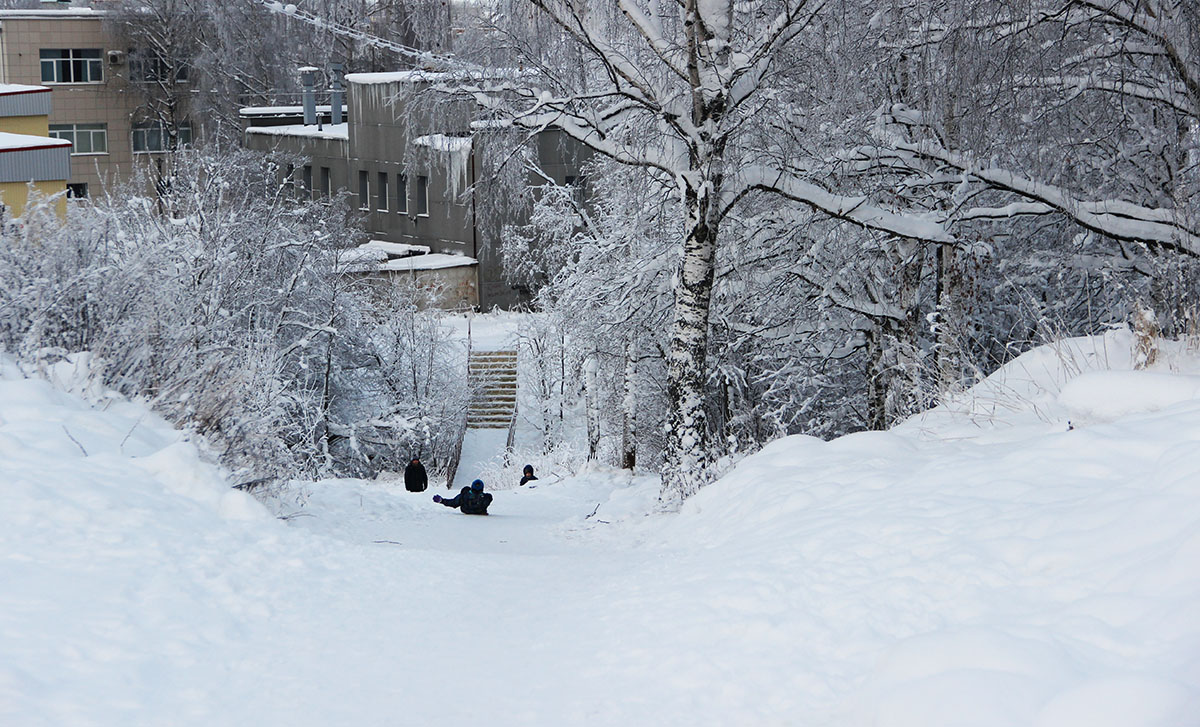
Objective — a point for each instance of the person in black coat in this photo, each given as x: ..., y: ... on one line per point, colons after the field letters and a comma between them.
x: 471, y: 501
x: 415, y: 479
x: 528, y: 472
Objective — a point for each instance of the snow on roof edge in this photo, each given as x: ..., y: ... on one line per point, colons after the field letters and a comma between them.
x: 28, y: 142
x: 339, y: 132
x: 12, y: 89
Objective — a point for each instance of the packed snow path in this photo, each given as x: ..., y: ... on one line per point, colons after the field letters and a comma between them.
x: 1008, y: 571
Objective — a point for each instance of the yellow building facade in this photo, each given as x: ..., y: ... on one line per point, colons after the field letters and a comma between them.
x: 31, y: 162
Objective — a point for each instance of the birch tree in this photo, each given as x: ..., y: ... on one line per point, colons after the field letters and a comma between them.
x: 676, y: 90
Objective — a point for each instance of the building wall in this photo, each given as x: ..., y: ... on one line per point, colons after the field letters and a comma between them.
x: 381, y: 135
x: 448, y: 288
x: 113, y: 102
x: 381, y: 138
x: 32, y: 125
x: 14, y: 196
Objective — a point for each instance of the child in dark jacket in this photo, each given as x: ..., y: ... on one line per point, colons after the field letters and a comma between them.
x: 528, y: 472
x: 471, y: 501
x: 415, y: 479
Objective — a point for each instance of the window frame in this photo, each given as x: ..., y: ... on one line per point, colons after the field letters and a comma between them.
x: 381, y: 192
x: 402, y: 194
x: 147, y: 68
x: 87, y: 65
x: 326, y: 189
x: 422, y: 195
x: 72, y: 133
x: 146, y: 127
x: 364, y: 190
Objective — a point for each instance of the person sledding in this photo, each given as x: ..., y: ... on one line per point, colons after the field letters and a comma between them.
x: 527, y: 474
x: 471, y: 501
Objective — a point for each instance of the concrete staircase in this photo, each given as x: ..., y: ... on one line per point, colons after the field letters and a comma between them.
x: 492, y: 376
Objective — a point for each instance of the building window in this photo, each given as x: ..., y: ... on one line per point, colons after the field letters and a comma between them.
x: 402, y: 194
x: 364, y: 190
x: 306, y: 180
x: 289, y: 180
x: 77, y: 190
x: 381, y: 192
x: 149, y: 67
x: 575, y: 185
x: 151, y: 136
x: 71, y: 65
x: 326, y: 182
x: 84, y: 138
x: 423, y: 196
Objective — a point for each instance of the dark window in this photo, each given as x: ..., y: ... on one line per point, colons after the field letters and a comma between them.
x: 575, y: 184
x: 364, y: 190
x: 71, y: 65
x: 149, y: 67
x: 289, y: 179
x: 423, y: 196
x: 402, y: 194
x: 326, y: 182
x: 306, y: 180
x: 381, y: 192
x: 152, y: 136
x: 77, y: 190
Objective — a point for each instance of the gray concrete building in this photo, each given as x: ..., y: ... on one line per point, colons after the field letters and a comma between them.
x: 412, y: 174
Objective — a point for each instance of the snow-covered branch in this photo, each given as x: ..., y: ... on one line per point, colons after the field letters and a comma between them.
x: 1115, y: 218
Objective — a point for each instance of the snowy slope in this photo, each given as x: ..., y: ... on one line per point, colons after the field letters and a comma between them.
x: 982, y: 564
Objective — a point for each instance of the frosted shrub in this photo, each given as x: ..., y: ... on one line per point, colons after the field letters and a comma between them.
x: 1146, y: 333
x: 225, y: 304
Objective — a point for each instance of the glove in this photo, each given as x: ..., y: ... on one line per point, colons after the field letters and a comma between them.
x: 437, y: 498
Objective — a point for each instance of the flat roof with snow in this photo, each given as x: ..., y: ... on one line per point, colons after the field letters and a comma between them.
x: 433, y: 261
x: 28, y: 142
x: 12, y: 89
x: 326, y: 131
x: 398, y: 249
x: 55, y: 13
x: 281, y: 110
x: 420, y: 76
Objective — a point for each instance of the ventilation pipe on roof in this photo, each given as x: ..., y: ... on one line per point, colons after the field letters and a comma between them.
x: 335, y: 94
x: 308, y: 76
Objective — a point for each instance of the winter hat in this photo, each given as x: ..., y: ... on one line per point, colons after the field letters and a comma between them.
x: 477, y: 485
x: 528, y: 468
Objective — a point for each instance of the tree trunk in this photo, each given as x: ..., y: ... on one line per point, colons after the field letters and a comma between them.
x: 629, y: 408
x: 947, y: 345
x: 877, y: 377
x: 687, y: 438
x: 590, y: 391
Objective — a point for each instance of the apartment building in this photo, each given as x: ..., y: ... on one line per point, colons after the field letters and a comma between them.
x: 413, y: 180
x: 29, y: 158
x: 96, y: 103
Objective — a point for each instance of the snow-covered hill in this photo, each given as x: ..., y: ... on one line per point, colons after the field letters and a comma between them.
x: 984, y: 564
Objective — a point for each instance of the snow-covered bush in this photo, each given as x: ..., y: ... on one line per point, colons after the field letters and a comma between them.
x: 227, y: 304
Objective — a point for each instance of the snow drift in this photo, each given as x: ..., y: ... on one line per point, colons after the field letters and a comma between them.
x: 1026, y: 555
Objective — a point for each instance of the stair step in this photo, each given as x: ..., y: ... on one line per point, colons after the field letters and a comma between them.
x: 492, y: 376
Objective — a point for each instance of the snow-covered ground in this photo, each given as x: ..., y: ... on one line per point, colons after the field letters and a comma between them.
x: 985, y: 564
